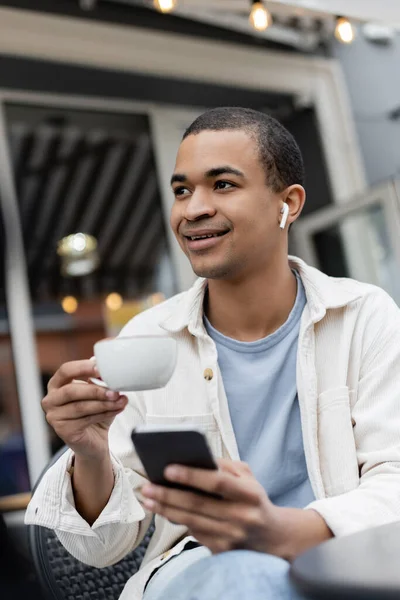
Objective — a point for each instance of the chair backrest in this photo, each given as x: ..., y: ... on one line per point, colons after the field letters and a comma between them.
x: 64, y: 578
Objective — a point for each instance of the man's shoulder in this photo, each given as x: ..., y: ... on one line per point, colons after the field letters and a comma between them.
x: 336, y: 292
x: 360, y: 289
x: 366, y: 292
x: 150, y: 320
x: 367, y: 302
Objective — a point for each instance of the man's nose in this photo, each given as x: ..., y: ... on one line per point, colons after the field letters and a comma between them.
x: 199, y: 206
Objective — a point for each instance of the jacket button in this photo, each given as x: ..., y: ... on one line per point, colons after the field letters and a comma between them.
x: 208, y: 374
x: 353, y: 422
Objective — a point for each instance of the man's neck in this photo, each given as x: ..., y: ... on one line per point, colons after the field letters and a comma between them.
x: 255, y: 306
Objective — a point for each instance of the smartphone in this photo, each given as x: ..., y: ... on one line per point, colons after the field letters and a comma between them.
x: 163, y: 445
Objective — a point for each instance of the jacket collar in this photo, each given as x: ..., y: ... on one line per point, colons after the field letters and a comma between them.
x: 322, y: 292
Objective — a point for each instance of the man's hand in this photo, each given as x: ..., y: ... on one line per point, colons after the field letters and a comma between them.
x: 243, y: 517
x: 81, y: 415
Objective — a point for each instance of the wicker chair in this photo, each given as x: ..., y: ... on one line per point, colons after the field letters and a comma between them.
x: 62, y: 577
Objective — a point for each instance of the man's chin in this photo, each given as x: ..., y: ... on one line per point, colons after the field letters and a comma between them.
x: 211, y: 271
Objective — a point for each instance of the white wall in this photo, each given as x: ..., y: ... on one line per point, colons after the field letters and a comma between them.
x: 372, y: 74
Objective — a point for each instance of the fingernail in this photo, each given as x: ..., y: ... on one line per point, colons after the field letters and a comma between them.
x: 147, y: 489
x: 149, y: 504
x: 112, y: 395
x: 172, y: 472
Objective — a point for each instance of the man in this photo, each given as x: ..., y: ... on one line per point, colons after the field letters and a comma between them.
x: 293, y: 372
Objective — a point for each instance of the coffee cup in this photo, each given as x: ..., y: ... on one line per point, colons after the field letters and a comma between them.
x: 129, y: 364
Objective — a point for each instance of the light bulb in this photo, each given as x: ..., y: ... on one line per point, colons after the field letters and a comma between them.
x: 157, y: 298
x: 114, y: 301
x: 69, y: 304
x: 78, y: 253
x: 79, y: 242
x: 260, y: 17
x: 344, y: 30
x: 165, y: 6
x: 87, y: 4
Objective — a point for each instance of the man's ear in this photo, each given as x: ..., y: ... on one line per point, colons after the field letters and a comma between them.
x: 295, y: 197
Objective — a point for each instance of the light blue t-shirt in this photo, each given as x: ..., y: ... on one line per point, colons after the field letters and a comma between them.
x: 260, y: 383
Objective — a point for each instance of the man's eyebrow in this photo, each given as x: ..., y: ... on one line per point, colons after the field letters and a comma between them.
x: 225, y: 169
x: 178, y: 178
x: 214, y: 172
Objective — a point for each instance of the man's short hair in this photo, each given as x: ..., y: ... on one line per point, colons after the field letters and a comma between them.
x: 278, y: 150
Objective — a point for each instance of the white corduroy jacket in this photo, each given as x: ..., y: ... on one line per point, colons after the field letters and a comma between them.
x: 348, y: 381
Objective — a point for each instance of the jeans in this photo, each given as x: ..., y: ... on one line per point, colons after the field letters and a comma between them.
x: 237, y: 575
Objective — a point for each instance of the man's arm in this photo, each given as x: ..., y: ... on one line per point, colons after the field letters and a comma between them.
x: 300, y: 530
x: 92, y: 484
x: 247, y: 519
x: 94, y: 511
x: 81, y: 414
x: 243, y: 516
x: 376, y: 412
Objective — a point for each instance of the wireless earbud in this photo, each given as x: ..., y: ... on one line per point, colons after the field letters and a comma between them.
x: 285, y: 214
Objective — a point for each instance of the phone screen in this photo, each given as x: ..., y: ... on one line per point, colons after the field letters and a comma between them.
x: 158, y: 448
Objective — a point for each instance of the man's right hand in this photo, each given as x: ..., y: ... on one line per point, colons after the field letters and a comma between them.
x: 79, y: 412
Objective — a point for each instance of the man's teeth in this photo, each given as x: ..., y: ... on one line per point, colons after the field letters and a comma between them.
x: 203, y: 237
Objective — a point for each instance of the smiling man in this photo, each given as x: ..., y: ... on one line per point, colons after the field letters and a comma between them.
x: 293, y: 375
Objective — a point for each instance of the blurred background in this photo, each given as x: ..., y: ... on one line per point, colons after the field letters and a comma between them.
x: 94, y: 98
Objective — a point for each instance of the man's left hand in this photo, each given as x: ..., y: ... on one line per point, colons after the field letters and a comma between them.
x: 242, y: 517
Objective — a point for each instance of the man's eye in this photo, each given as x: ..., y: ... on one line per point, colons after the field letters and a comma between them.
x: 223, y: 185
x: 180, y: 191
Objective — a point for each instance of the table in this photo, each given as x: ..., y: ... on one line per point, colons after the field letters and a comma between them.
x: 362, y: 566
x: 12, y: 503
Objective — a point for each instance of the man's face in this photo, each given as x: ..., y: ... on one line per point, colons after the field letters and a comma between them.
x: 220, y: 191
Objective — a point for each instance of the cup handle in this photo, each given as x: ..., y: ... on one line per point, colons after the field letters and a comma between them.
x: 98, y: 382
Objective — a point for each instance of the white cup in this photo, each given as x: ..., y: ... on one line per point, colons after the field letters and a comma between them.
x: 130, y: 364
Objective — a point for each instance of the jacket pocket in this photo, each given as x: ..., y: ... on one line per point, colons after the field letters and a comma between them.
x: 337, y: 448
x: 205, y: 422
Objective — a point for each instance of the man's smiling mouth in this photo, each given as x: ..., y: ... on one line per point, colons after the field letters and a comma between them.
x: 205, y: 236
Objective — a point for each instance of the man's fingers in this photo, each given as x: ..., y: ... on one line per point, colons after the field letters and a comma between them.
x: 74, y: 392
x: 78, y: 369
x: 230, y: 487
x: 84, y: 422
x: 181, y: 517
x: 220, y: 536
x: 83, y: 408
x: 235, y: 467
x: 190, y: 501
x: 213, y: 508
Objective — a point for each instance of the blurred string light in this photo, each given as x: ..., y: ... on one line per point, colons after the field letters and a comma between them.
x: 260, y: 17
x: 87, y: 4
x: 156, y: 298
x: 69, y: 304
x: 165, y: 6
x: 344, y: 30
x: 114, y: 301
x: 78, y: 253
